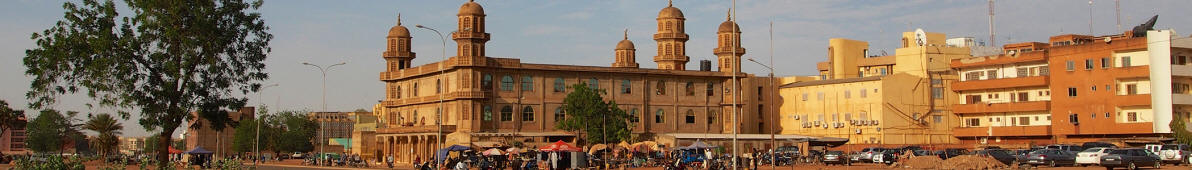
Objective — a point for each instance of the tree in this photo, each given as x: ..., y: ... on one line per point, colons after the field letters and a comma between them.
x: 108, y: 131
x: 43, y: 132
x: 296, y: 132
x: 587, y: 112
x: 10, y: 118
x: 1179, y: 130
x: 165, y: 60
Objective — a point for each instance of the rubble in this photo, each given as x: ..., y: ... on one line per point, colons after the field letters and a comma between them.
x: 965, y: 162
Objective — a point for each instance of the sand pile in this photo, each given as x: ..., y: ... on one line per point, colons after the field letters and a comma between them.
x: 923, y: 162
x: 972, y: 162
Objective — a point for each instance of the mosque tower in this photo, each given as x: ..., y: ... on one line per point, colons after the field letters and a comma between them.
x: 728, y: 37
x: 671, y: 39
x: 626, y: 55
x: 397, y: 49
x: 470, y: 36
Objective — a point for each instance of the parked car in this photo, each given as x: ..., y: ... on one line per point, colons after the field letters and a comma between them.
x: 922, y: 152
x: 1001, y: 155
x: 951, y: 152
x: 868, y: 153
x: 835, y: 157
x: 1051, y: 157
x: 886, y: 157
x: 1174, y: 153
x: 297, y: 155
x: 1130, y: 159
x: 1092, y: 156
x: 1098, y: 144
x: 1069, y: 148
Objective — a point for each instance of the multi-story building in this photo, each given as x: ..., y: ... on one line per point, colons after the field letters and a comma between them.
x: 900, y: 99
x: 1125, y: 89
x: 12, y: 141
x: 201, y: 133
x: 478, y: 98
x: 333, y: 126
x: 131, y: 145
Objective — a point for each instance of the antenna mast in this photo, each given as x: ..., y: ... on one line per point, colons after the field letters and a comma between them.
x: 992, y: 40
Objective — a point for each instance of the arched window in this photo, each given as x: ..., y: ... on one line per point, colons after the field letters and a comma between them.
x: 560, y: 85
x: 660, y: 88
x: 506, y: 114
x: 593, y: 83
x: 668, y: 49
x: 397, y: 92
x: 560, y: 115
x: 711, y: 116
x: 393, y: 119
x: 690, y: 117
x: 527, y: 83
x: 527, y: 114
x: 393, y: 44
x: 659, y: 116
x: 467, y: 22
x: 626, y: 86
x: 487, y: 113
x: 415, y: 119
x: 414, y: 92
x: 678, y: 48
x: 669, y: 26
x: 507, y: 83
x: 690, y: 88
x: 487, y: 82
x: 710, y: 88
x: 438, y: 86
x: 633, y: 116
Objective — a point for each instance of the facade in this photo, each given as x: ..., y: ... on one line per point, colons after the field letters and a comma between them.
x: 12, y: 141
x: 131, y: 145
x: 1123, y: 88
x: 479, y: 99
x: 333, y: 126
x: 364, y: 132
x: 901, y: 99
x: 219, y: 142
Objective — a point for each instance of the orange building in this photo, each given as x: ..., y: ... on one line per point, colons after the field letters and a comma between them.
x: 201, y: 134
x: 1122, y: 89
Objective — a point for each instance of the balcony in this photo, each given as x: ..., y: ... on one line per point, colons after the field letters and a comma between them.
x: 1133, y: 100
x: 1001, y: 107
x: 1130, y: 72
x: 1003, y: 131
x: 417, y: 129
x: 1037, y: 56
x: 1033, y: 81
x: 1181, y: 70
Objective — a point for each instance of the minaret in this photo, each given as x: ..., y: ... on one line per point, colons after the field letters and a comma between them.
x: 728, y: 36
x: 626, y: 54
x: 470, y: 36
x: 397, y: 49
x: 671, y: 38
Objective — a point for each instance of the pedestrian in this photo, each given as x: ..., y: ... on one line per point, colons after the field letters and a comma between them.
x: 554, y: 160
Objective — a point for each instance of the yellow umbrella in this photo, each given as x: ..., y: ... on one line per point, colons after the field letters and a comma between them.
x: 597, y: 147
x: 623, y: 144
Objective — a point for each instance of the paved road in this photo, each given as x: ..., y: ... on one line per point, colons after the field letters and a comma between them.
x: 299, y: 167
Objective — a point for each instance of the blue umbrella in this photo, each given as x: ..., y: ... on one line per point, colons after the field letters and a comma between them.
x: 442, y: 153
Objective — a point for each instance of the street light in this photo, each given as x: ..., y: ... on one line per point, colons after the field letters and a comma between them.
x: 324, y: 71
x: 257, y: 145
x: 442, y: 72
x: 770, y: 82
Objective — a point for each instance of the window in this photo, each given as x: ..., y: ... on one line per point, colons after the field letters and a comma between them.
x: 487, y: 82
x: 507, y: 83
x: 882, y: 70
x: 506, y: 114
x: 847, y: 94
x: 690, y: 118
x: 863, y: 116
x: 804, y: 96
x: 759, y: 93
x: 487, y: 113
x: 711, y: 116
x: 1022, y: 72
x: 972, y: 122
x: 626, y: 87
x: 937, y: 81
x: 1074, y: 119
x: 937, y: 118
x: 1071, y: 92
x: 1132, y: 116
x: 560, y: 115
x: 414, y: 92
x: 1131, y: 89
x: 1106, y: 62
x: 991, y: 74
x: 1071, y: 65
x: 397, y: 92
x: 560, y: 85
x: 970, y: 76
x: 527, y: 114
x: 438, y: 86
x: 659, y: 115
x: 1126, y: 61
x: 633, y: 114
x: 863, y: 94
x: 527, y: 83
x: 710, y: 88
x: 937, y: 92
x: 1088, y: 64
x: 593, y: 83
x: 820, y: 96
x: 690, y: 88
x: 660, y: 88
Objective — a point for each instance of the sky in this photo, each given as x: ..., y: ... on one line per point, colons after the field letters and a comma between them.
x: 584, y: 33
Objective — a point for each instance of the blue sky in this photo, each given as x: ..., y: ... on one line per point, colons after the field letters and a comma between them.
x: 585, y: 33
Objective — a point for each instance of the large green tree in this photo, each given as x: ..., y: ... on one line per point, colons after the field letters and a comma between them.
x: 165, y: 60
x: 108, y: 132
x: 10, y: 118
x: 597, y: 120
x: 1179, y: 130
x: 53, y: 131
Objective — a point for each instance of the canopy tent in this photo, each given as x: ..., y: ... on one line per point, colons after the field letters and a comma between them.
x: 560, y: 146
x: 199, y: 150
x: 442, y: 154
x: 493, y: 151
x: 597, y: 148
x: 644, y: 146
x: 623, y: 144
x: 174, y: 151
x: 697, y: 145
x: 513, y: 150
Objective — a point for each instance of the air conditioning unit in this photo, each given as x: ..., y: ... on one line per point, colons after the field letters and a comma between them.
x: 825, y: 125
x: 875, y: 122
x: 858, y: 131
x: 852, y: 122
x: 796, y: 117
x: 817, y: 123
x: 865, y: 122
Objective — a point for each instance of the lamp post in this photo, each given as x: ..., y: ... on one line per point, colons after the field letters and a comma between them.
x: 442, y: 72
x: 257, y: 144
x: 770, y: 82
x: 324, y: 71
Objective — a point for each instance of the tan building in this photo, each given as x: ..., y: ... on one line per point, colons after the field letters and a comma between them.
x: 132, y: 145
x: 490, y: 100
x: 877, y: 100
x: 364, y: 132
x: 333, y: 126
x: 12, y: 141
x: 219, y: 142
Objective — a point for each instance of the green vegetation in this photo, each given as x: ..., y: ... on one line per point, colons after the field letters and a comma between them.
x: 9, y: 118
x: 165, y: 60
x: 598, y: 121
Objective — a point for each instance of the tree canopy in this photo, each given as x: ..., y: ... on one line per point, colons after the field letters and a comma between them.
x: 108, y: 132
x: 165, y: 60
x: 10, y: 118
x: 597, y: 120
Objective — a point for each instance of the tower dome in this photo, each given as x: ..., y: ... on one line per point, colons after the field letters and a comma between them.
x: 727, y: 26
x: 670, y: 11
x: 398, y: 30
x: 471, y: 8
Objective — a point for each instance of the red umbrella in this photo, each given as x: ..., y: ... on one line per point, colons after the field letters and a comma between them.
x: 560, y: 146
x: 174, y: 151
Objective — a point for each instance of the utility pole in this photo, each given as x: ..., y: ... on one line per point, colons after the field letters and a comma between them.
x: 322, y: 133
x: 1117, y: 12
x: 733, y: 40
x: 1090, y: 17
x: 992, y: 39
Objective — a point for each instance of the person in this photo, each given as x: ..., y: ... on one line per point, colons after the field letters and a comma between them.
x: 389, y: 160
x: 459, y: 165
x: 554, y: 160
x: 417, y: 160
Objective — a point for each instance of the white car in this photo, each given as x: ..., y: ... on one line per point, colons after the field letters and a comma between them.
x: 1092, y: 156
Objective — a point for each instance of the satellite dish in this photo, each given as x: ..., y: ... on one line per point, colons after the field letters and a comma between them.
x: 920, y: 37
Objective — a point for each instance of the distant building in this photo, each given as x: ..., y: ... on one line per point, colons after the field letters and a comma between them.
x: 218, y: 142
x: 333, y: 125
x: 364, y: 132
x: 12, y: 142
x: 132, y: 145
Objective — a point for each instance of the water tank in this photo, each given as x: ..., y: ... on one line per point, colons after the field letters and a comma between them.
x: 705, y: 65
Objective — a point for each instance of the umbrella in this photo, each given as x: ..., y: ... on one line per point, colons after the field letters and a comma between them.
x: 493, y: 151
x: 699, y: 145
x: 442, y: 154
x: 513, y: 150
x: 174, y: 151
x: 198, y: 150
x: 623, y: 144
x: 597, y: 147
x: 560, y: 146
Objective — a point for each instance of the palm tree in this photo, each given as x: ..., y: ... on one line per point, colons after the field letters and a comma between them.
x: 108, y: 129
